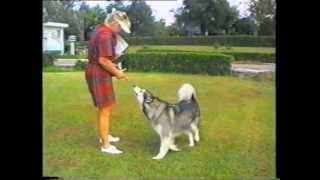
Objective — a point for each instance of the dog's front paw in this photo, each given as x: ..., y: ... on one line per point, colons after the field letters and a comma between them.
x: 191, y: 144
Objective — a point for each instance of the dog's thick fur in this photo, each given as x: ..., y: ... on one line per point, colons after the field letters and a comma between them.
x: 171, y: 120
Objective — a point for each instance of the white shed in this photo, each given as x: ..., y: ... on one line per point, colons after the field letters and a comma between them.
x: 53, y: 37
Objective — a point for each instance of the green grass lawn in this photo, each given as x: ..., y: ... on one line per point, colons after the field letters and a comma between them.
x: 237, y: 132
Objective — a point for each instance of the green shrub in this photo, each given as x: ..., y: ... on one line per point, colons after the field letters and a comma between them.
x: 228, y: 47
x: 238, y: 56
x: 47, y: 59
x: 67, y: 48
x: 80, y: 65
x: 68, y: 56
x: 81, y: 43
x: 56, y: 69
x: 179, y: 62
x: 235, y: 40
x: 216, y: 45
x: 145, y: 47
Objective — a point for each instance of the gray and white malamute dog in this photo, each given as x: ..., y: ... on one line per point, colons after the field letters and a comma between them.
x: 171, y: 120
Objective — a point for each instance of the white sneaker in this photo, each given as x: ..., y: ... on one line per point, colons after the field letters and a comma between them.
x: 111, y: 139
x: 111, y: 150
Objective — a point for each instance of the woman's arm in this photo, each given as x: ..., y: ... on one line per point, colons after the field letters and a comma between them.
x: 109, y: 66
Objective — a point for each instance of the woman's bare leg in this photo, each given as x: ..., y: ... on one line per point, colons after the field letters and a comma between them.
x: 104, y: 124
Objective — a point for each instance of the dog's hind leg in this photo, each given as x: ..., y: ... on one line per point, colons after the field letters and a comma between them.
x: 173, y: 146
x: 164, y: 148
x: 195, y: 129
x: 191, y: 141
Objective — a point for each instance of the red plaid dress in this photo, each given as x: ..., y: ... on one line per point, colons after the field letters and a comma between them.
x: 99, y: 80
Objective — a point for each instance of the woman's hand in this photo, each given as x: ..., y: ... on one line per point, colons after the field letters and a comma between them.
x: 110, y: 67
x: 121, y: 75
x: 117, y: 56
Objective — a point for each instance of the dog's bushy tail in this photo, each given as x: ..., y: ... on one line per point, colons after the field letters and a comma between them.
x: 186, y: 92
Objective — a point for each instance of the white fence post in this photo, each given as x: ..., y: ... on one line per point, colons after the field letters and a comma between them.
x: 72, y: 40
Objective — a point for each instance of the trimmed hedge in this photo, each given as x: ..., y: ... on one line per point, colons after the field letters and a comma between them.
x: 81, y: 43
x: 179, y: 62
x: 195, y: 63
x: 238, y: 56
x: 235, y: 40
x: 239, y: 40
x: 80, y: 65
x: 56, y: 69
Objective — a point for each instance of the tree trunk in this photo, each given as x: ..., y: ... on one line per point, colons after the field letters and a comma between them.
x: 203, y: 29
x: 81, y: 37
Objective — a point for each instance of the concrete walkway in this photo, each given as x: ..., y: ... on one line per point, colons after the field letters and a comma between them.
x: 253, y: 70
x: 67, y: 63
x: 268, y: 67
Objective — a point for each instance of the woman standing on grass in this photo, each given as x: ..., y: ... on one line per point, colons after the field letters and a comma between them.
x: 99, y: 72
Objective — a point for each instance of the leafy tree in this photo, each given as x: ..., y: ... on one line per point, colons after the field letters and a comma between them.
x: 62, y: 12
x: 263, y: 11
x: 160, y: 28
x: 141, y: 18
x: 245, y: 26
x: 212, y: 16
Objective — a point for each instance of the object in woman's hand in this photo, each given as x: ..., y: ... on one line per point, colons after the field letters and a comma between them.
x: 121, y: 46
x: 119, y: 66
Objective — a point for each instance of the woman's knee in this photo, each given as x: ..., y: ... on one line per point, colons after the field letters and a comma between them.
x: 106, y: 109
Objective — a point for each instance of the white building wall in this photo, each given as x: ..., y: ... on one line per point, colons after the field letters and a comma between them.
x: 53, y: 38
